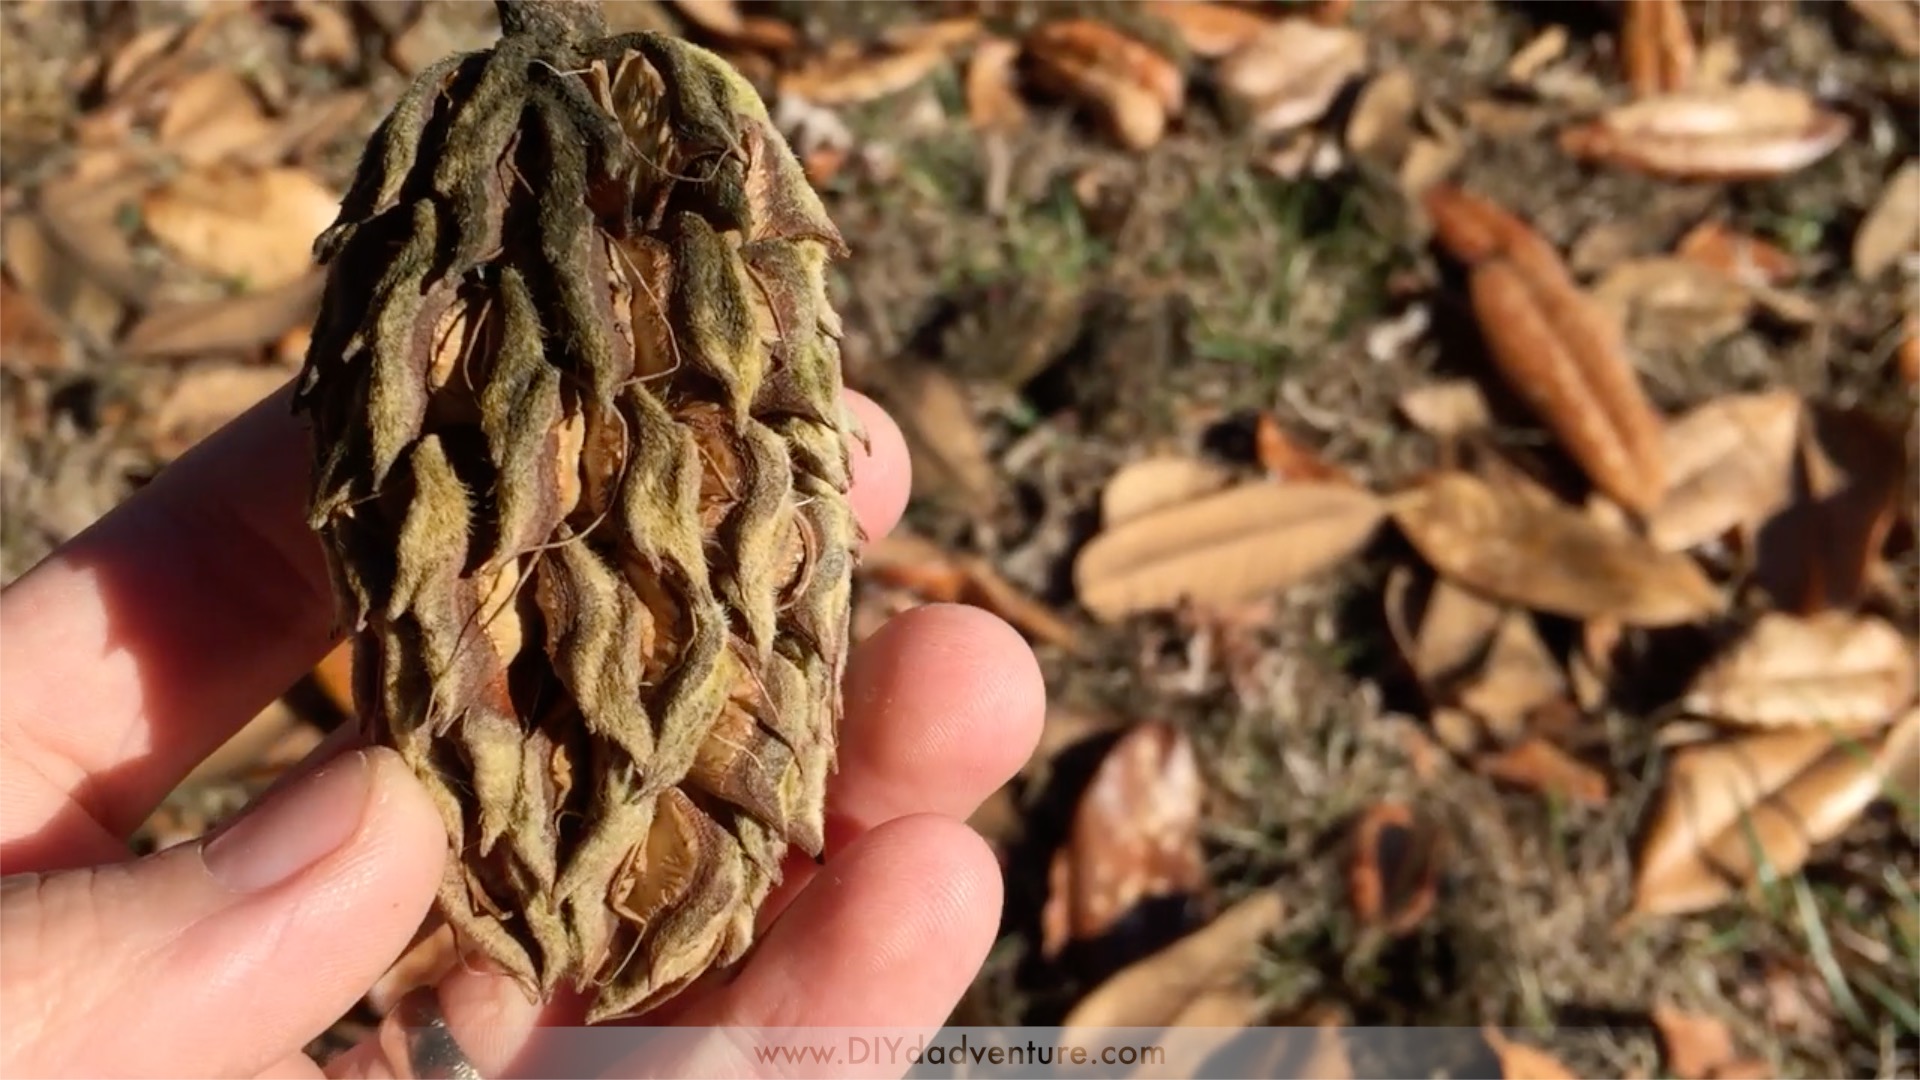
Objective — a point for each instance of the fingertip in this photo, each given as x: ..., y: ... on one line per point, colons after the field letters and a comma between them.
x: 882, y: 470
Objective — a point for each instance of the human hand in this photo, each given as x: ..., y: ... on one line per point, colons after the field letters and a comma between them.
x: 135, y: 650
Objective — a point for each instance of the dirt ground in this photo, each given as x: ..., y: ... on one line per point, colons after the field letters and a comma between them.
x: 1095, y: 305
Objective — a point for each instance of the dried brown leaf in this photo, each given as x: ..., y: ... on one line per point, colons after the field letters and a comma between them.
x: 1751, y: 809
x: 1286, y: 458
x: 949, y: 450
x: 1447, y: 410
x: 1131, y: 88
x: 1741, y: 256
x: 1833, y: 669
x: 1560, y: 351
x: 993, y: 104
x: 1822, y: 550
x: 1230, y: 546
x: 227, y: 324
x: 1752, y: 131
x: 1671, y: 303
x: 903, y: 560
x: 1381, y: 126
x: 1732, y: 463
x: 1656, y: 46
x: 329, y: 36
x: 1517, y: 677
x: 211, y: 116
x: 81, y: 216
x: 1539, y: 765
x: 1156, y: 483
x: 254, y: 225
x: 853, y: 78
x: 1518, y: 1061
x: 1897, y: 20
x: 1546, y: 49
x: 30, y: 340
x: 1892, y: 228
x: 1443, y: 630
x: 1696, y: 1046
x: 1290, y: 74
x: 1151, y: 992
x: 1393, y: 872
x: 204, y: 397
x: 1209, y: 29
x: 1514, y: 548
x: 718, y: 17
x: 1135, y: 837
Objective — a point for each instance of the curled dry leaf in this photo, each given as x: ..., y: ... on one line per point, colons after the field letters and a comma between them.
x: 212, y: 115
x: 1560, y: 351
x: 1697, y: 1047
x: 1833, y: 669
x: 904, y: 561
x: 851, y: 79
x: 1518, y: 549
x: 1752, y: 131
x: 1518, y: 1061
x: 1447, y: 410
x: 1656, y: 46
x: 1443, y: 631
x: 1897, y: 20
x: 1517, y: 677
x: 1132, y: 89
x: 1732, y: 463
x: 1393, y: 876
x: 226, y: 324
x: 1135, y: 837
x: 1153, y: 991
x: 1382, y: 122
x: 1229, y: 546
x: 1539, y: 765
x: 992, y: 102
x: 1745, y: 258
x: 1156, y: 483
x: 1666, y: 302
x: 1752, y: 809
x: 1892, y: 228
x: 1289, y: 75
x: 1286, y: 458
x: 253, y: 225
x: 1209, y: 29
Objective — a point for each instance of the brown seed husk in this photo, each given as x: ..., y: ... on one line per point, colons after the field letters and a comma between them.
x: 581, y: 473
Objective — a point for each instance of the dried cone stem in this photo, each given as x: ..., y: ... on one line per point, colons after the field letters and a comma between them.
x: 581, y: 473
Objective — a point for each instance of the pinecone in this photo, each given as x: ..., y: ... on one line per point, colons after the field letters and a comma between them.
x: 581, y: 470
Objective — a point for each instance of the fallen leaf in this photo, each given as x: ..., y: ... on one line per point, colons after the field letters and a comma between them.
x: 1288, y: 75
x: 1897, y: 20
x: 1667, y: 302
x: 992, y: 103
x: 1518, y: 1061
x: 1546, y: 48
x: 946, y: 34
x: 1656, y: 46
x: 210, y: 116
x: 204, y: 397
x: 1745, y: 258
x: 1513, y: 548
x: 252, y: 225
x: 1833, y: 669
x: 329, y: 36
x: 1822, y: 550
x: 1517, y: 677
x: 1732, y: 464
x: 857, y: 77
x: 721, y: 18
x: 1156, y: 483
x: 1748, y: 132
x: 82, y: 218
x: 906, y: 561
x: 1736, y: 812
x: 1696, y: 1046
x: 1393, y: 873
x: 228, y: 324
x: 1286, y: 458
x: 1381, y: 126
x: 1208, y: 29
x: 1229, y: 546
x: 949, y: 451
x: 1892, y: 228
x: 1539, y: 765
x: 1151, y: 992
x: 30, y: 340
x: 1131, y: 88
x: 1560, y: 351
x: 1447, y: 409
x: 1443, y: 631
x: 1135, y: 837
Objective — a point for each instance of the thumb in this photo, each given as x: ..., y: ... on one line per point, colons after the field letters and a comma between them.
x: 223, y: 956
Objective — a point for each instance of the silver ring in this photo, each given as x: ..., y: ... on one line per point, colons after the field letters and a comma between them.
x: 415, y: 1040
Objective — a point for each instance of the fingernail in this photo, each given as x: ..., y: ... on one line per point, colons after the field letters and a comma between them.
x: 293, y: 829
